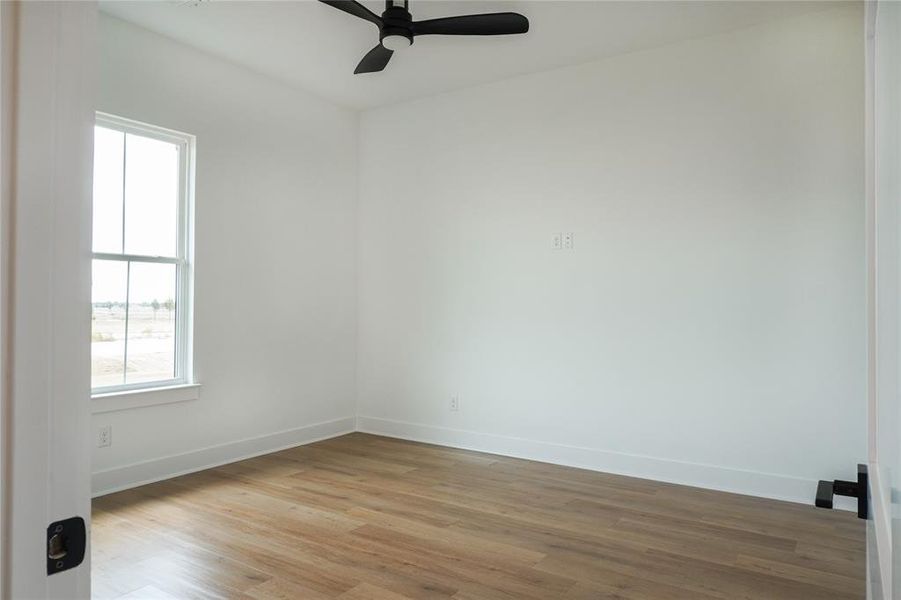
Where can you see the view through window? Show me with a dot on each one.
(140, 283)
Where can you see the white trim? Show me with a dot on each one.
(752, 483)
(8, 13)
(882, 529)
(136, 258)
(139, 398)
(880, 551)
(125, 125)
(150, 471)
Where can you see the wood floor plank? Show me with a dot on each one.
(366, 591)
(279, 588)
(149, 592)
(363, 517)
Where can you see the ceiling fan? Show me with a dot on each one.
(397, 29)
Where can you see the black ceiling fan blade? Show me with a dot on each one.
(375, 60)
(356, 9)
(487, 24)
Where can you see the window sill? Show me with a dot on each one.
(104, 403)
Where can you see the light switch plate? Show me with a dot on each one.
(557, 242)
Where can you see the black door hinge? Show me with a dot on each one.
(855, 489)
(66, 542)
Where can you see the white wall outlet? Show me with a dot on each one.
(105, 436)
(557, 241)
(568, 240)
(455, 403)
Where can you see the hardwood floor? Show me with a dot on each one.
(362, 517)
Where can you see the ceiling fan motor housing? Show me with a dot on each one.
(397, 21)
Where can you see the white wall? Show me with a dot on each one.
(708, 327)
(275, 287)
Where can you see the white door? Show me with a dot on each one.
(883, 59)
(48, 83)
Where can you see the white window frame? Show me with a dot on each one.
(184, 265)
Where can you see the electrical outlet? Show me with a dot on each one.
(105, 436)
(557, 241)
(568, 240)
(455, 403)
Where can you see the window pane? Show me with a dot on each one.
(151, 323)
(108, 157)
(151, 196)
(108, 284)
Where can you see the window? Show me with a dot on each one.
(142, 271)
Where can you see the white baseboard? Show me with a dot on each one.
(751, 483)
(158, 469)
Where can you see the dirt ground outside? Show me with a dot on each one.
(151, 344)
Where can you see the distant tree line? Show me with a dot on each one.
(155, 305)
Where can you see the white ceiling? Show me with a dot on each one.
(316, 47)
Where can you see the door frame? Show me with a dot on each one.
(879, 566)
(49, 82)
(882, 28)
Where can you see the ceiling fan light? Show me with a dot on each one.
(396, 42)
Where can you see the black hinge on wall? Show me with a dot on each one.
(855, 489)
(66, 542)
